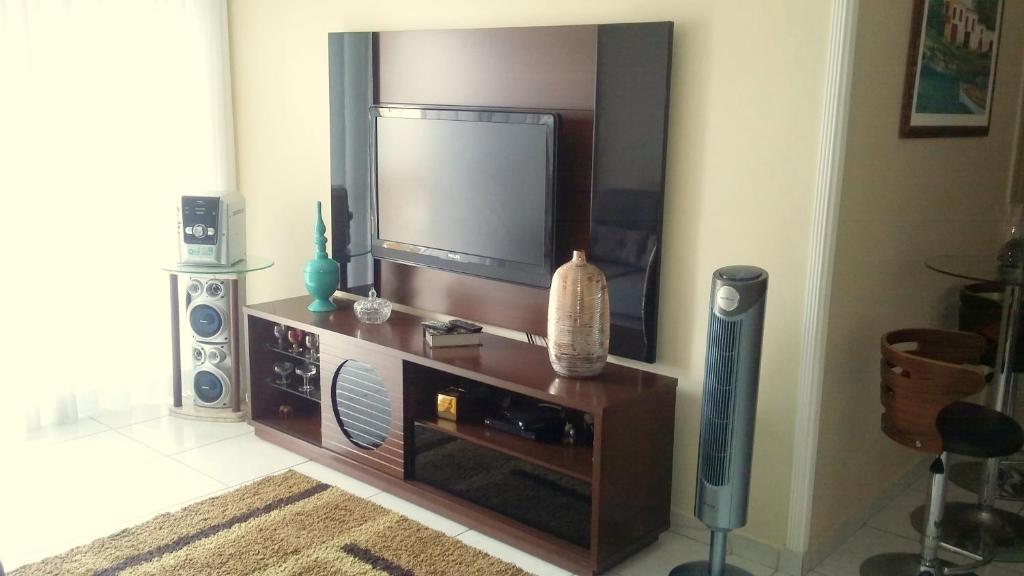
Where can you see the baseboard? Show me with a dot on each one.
(793, 562)
(738, 543)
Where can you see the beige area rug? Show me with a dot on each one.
(282, 525)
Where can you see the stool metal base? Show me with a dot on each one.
(967, 475)
(897, 564)
(703, 568)
(990, 532)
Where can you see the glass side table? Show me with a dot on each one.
(232, 275)
(968, 526)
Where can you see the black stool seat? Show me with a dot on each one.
(973, 430)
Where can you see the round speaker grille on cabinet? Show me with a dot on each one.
(208, 387)
(206, 321)
(215, 289)
(215, 355)
(362, 404)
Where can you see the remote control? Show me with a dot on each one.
(438, 326)
(467, 326)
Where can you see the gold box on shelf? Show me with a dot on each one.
(448, 404)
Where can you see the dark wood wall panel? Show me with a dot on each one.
(609, 85)
(500, 303)
(552, 67)
(547, 68)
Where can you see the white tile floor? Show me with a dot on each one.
(890, 531)
(71, 484)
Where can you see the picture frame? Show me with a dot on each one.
(951, 68)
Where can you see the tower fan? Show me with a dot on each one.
(735, 326)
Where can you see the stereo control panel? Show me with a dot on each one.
(211, 229)
(200, 219)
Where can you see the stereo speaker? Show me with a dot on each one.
(211, 374)
(209, 319)
(209, 316)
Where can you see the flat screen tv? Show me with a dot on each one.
(465, 190)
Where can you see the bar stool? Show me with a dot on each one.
(981, 312)
(923, 378)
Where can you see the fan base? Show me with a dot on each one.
(704, 569)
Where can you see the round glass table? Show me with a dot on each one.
(231, 275)
(969, 526)
(250, 264)
(983, 268)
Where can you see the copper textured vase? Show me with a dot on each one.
(578, 319)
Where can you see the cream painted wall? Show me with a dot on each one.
(902, 201)
(748, 89)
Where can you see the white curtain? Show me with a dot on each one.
(109, 111)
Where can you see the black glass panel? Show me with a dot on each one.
(535, 496)
(633, 71)
(350, 60)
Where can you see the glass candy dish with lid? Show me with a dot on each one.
(372, 310)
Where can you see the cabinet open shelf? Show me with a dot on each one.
(304, 427)
(574, 461)
(293, 355)
(293, 388)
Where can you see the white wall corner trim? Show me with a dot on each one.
(828, 188)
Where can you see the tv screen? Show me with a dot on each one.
(469, 191)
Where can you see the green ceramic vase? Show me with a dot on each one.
(321, 274)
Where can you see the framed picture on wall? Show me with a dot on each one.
(951, 68)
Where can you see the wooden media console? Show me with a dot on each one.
(372, 415)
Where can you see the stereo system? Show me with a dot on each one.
(211, 230)
(209, 317)
(211, 238)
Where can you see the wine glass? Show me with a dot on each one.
(283, 369)
(295, 336)
(312, 345)
(281, 332)
(306, 370)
